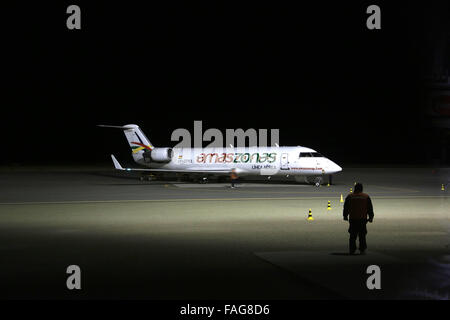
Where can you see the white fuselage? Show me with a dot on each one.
(250, 161)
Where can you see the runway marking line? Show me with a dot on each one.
(216, 189)
(398, 189)
(204, 199)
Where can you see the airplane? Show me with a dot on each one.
(299, 162)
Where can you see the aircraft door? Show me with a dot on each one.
(284, 164)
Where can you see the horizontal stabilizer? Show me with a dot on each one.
(128, 126)
(116, 163)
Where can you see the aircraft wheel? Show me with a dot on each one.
(318, 181)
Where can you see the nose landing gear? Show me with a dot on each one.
(318, 181)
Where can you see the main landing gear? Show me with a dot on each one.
(147, 177)
(200, 179)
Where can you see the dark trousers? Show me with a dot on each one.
(357, 229)
(233, 182)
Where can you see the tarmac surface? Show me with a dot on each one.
(137, 239)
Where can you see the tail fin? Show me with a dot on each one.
(137, 140)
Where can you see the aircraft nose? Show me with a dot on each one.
(334, 168)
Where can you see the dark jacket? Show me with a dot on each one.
(358, 206)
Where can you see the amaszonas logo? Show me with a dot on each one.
(236, 157)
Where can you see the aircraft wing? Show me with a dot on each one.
(206, 170)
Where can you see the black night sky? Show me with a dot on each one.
(312, 70)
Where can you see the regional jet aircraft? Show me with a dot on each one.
(299, 162)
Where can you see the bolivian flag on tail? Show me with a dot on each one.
(139, 146)
(137, 139)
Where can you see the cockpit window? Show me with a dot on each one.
(305, 154)
(310, 154)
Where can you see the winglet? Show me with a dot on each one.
(116, 163)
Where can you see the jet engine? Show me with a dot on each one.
(158, 155)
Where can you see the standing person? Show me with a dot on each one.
(233, 177)
(358, 207)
